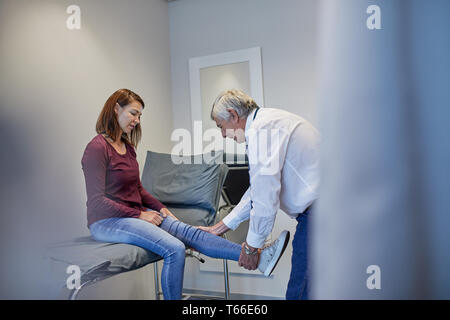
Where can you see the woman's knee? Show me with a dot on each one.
(176, 249)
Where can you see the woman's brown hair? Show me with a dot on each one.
(107, 120)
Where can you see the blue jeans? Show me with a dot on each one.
(169, 240)
(298, 281)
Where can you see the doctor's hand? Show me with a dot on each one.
(218, 229)
(249, 257)
(152, 217)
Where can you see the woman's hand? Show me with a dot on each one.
(152, 217)
(165, 212)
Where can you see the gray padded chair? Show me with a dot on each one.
(190, 187)
(97, 261)
(191, 190)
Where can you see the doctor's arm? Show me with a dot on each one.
(239, 214)
(265, 181)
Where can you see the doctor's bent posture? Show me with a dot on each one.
(283, 154)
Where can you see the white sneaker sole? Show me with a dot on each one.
(284, 238)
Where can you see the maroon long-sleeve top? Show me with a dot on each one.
(113, 186)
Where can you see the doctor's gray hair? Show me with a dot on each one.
(232, 99)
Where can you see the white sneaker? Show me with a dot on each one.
(272, 253)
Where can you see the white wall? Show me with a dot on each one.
(286, 31)
(53, 84)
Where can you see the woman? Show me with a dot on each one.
(120, 210)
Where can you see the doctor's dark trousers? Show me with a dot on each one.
(298, 281)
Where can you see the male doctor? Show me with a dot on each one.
(283, 154)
